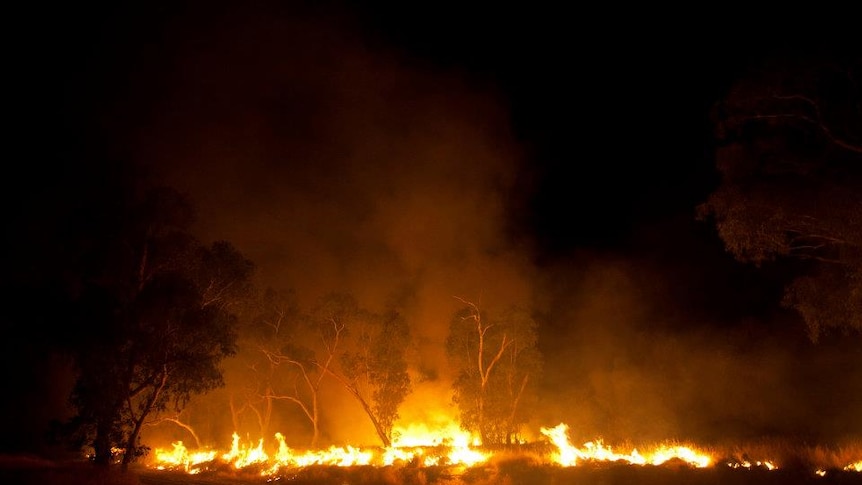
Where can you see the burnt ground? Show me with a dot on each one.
(513, 472)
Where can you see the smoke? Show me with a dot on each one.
(335, 167)
(640, 365)
(338, 167)
(338, 164)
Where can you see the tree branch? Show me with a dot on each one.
(503, 346)
(180, 424)
(295, 400)
(821, 123)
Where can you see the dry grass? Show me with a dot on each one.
(527, 465)
(789, 455)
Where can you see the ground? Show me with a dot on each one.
(32, 471)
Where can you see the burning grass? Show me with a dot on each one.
(523, 464)
(452, 458)
(793, 455)
(457, 460)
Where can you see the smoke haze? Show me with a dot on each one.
(337, 162)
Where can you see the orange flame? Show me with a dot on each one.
(427, 446)
(568, 455)
(180, 457)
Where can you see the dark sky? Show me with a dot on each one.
(529, 154)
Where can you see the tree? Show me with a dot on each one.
(790, 157)
(495, 360)
(264, 332)
(365, 353)
(374, 369)
(337, 339)
(284, 365)
(160, 308)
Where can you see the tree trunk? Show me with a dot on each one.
(381, 433)
(129, 453)
(267, 415)
(234, 414)
(315, 420)
(480, 405)
(102, 443)
(510, 422)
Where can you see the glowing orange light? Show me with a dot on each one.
(568, 455)
(423, 445)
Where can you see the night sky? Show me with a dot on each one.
(553, 158)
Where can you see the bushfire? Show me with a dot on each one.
(448, 446)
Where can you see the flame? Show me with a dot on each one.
(442, 431)
(242, 456)
(462, 454)
(180, 457)
(334, 456)
(449, 449)
(424, 445)
(568, 455)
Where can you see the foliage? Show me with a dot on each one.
(280, 362)
(294, 353)
(496, 359)
(790, 157)
(375, 368)
(159, 314)
(365, 352)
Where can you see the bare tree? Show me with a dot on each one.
(287, 356)
(297, 353)
(494, 360)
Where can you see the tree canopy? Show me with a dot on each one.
(496, 361)
(374, 368)
(790, 158)
(158, 310)
(293, 353)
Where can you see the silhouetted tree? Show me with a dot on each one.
(495, 360)
(158, 309)
(790, 157)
